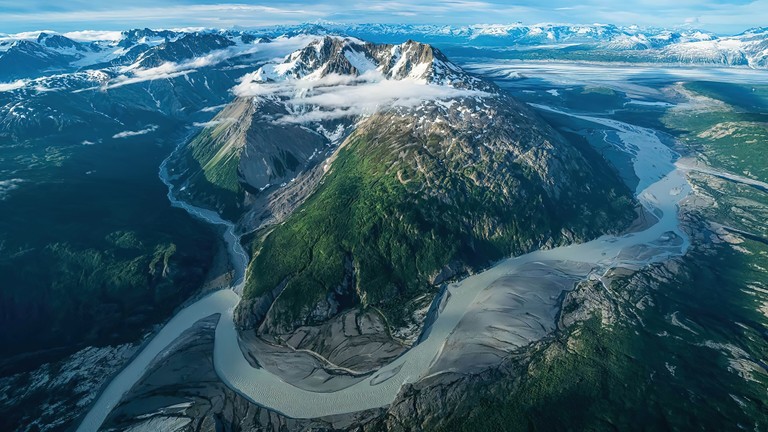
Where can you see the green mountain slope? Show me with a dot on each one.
(401, 210)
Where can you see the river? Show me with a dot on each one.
(662, 186)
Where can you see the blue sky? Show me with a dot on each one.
(729, 16)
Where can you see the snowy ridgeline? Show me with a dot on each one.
(122, 58)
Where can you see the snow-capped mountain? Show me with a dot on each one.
(311, 99)
(599, 42)
(173, 72)
(149, 66)
(749, 48)
(24, 58)
(527, 35)
(411, 61)
(36, 54)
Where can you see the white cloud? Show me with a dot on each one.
(166, 71)
(94, 35)
(336, 96)
(260, 52)
(213, 108)
(213, 123)
(27, 35)
(6, 186)
(207, 124)
(127, 134)
(716, 15)
(12, 85)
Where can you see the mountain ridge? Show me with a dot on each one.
(602, 42)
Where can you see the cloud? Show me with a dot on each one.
(165, 71)
(213, 108)
(4, 87)
(28, 35)
(127, 134)
(337, 96)
(213, 123)
(260, 51)
(94, 35)
(6, 186)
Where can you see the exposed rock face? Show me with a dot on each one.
(351, 57)
(244, 154)
(251, 312)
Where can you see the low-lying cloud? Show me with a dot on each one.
(6, 186)
(169, 70)
(337, 96)
(4, 87)
(128, 134)
(94, 35)
(213, 123)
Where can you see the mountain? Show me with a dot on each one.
(24, 58)
(248, 126)
(525, 35)
(595, 42)
(49, 54)
(185, 47)
(35, 55)
(747, 49)
(57, 41)
(420, 173)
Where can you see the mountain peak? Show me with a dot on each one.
(134, 36)
(346, 56)
(58, 41)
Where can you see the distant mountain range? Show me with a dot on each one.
(35, 54)
(211, 62)
(589, 42)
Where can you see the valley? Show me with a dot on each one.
(524, 237)
(265, 389)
